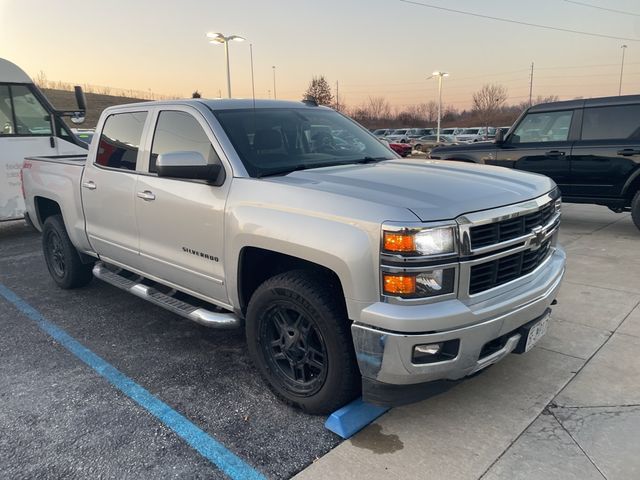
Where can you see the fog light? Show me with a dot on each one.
(435, 352)
(429, 349)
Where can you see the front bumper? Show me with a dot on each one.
(385, 356)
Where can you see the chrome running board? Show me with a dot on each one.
(208, 318)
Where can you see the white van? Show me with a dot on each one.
(26, 120)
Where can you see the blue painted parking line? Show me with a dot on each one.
(214, 451)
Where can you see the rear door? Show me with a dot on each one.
(181, 222)
(109, 186)
(541, 143)
(608, 151)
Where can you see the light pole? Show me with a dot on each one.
(274, 82)
(624, 47)
(218, 39)
(440, 75)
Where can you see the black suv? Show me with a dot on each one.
(591, 148)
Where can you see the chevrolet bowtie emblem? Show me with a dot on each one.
(539, 236)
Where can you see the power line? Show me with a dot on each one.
(604, 8)
(518, 22)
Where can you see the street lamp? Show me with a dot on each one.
(624, 47)
(274, 82)
(439, 75)
(219, 38)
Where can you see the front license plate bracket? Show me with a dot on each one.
(532, 332)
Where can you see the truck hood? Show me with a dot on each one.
(433, 190)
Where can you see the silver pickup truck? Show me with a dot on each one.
(350, 269)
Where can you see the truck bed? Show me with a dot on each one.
(54, 182)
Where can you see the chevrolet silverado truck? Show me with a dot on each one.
(590, 148)
(350, 269)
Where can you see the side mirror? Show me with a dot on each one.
(499, 136)
(190, 165)
(77, 116)
(81, 100)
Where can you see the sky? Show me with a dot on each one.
(370, 47)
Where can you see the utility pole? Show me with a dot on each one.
(624, 47)
(253, 83)
(274, 82)
(531, 86)
(337, 97)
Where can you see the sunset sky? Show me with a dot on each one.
(377, 47)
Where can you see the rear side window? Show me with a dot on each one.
(543, 127)
(611, 123)
(180, 132)
(120, 140)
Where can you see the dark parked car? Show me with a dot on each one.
(591, 148)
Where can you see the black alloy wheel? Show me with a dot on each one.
(299, 338)
(55, 253)
(294, 348)
(63, 260)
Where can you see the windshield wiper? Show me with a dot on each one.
(309, 166)
(282, 171)
(369, 160)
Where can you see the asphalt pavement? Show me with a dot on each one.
(60, 419)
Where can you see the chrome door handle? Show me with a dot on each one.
(147, 195)
(90, 185)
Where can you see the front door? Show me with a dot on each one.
(25, 131)
(108, 189)
(181, 221)
(540, 144)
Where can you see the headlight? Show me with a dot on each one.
(428, 241)
(421, 285)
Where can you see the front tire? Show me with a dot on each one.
(635, 209)
(299, 338)
(62, 258)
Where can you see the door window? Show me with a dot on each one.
(21, 113)
(611, 123)
(6, 112)
(120, 140)
(180, 132)
(543, 127)
(30, 115)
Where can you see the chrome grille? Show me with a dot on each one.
(505, 269)
(492, 233)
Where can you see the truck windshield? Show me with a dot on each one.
(273, 141)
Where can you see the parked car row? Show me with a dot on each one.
(451, 134)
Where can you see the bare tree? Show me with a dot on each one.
(320, 90)
(488, 101)
(377, 107)
(41, 79)
(548, 99)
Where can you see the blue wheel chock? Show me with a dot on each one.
(353, 417)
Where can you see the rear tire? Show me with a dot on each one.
(635, 209)
(299, 338)
(62, 258)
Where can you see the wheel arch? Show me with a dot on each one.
(256, 265)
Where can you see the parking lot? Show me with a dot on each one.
(568, 409)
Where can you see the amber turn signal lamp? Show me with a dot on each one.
(399, 284)
(398, 242)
